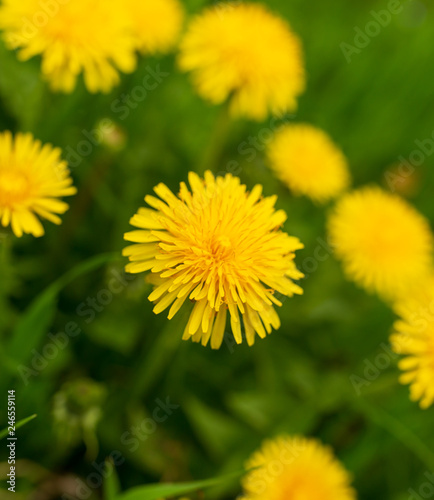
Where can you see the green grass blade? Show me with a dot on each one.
(34, 323)
(158, 491)
(19, 424)
(112, 486)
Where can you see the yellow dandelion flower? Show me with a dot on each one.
(414, 338)
(220, 246)
(156, 24)
(244, 52)
(296, 468)
(32, 178)
(79, 36)
(306, 160)
(384, 243)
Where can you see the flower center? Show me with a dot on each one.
(220, 248)
(14, 187)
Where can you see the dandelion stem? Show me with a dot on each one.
(397, 429)
(213, 153)
(95, 177)
(7, 282)
(92, 446)
(5, 245)
(154, 361)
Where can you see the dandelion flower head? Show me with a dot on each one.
(384, 243)
(92, 37)
(32, 179)
(244, 52)
(296, 468)
(414, 340)
(221, 247)
(307, 161)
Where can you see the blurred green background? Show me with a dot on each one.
(125, 360)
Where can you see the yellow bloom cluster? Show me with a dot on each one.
(216, 244)
(97, 38)
(386, 246)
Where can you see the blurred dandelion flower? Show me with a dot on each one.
(92, 37)
(245, 53)
(384, 243)
(220, 246)
(296, 467)
(32, 177)
(306, 160)
(156, 24)
(414, 338)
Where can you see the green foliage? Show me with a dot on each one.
(39, 315)
(298, 380)
(157, 491)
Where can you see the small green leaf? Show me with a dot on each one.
(158, 491)
(19, 424)
(35, 322)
